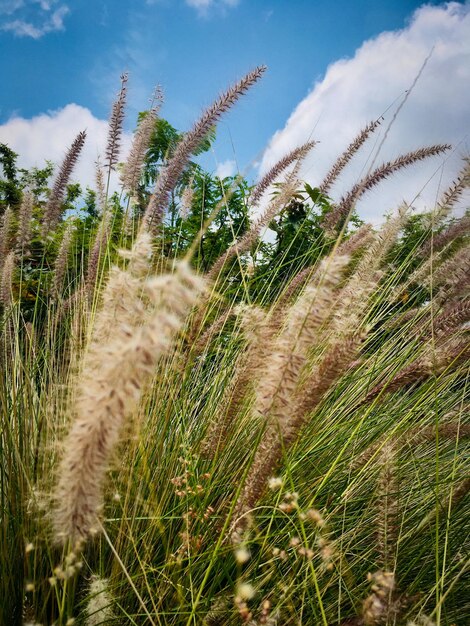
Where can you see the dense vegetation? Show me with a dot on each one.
(204, 425)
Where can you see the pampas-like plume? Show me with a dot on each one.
(414, 436)
(454, 315)
(379, 608)
(99, 606)
(99, 245)
(7, 279)
(451, 196)
(340, 212)
(187, 198)
(170, 175)
(25, 215)
(116, 121)
(421, 274)
(276, 398)
(132, 170)
(453, 271)
(116, 369)
(347, 155)
(358, 240)
(213, 330)
(256, 332)
(377, 249)
(52, 211)
(447, 431)
(298, 154)
(457, 230)
(100, 188)
(5, 234)
(60, 265)
(289, 354)
(450, 354)
(286, 406)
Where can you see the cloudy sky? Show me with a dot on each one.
(333, 67)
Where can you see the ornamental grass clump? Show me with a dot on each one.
(117, 367)
(281, 439)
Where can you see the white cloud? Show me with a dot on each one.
(32, 18)
(49, 135)
(226, 168)
(358, 90)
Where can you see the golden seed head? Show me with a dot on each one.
(245, 591)
(242, 555)
(275, 483)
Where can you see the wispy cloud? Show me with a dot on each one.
(7, 7)
(355, 91)
(203, 6)
(32, 18)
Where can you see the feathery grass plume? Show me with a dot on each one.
(458, 494)
(421, 275)
(387, 505)
(453, 316)
(452, 194)
(421, 620)
(132, 170)
(6, 283)
(378, 247)
(305, 318)
(358, 240)
(381, 607)
(255, 331)
(170, 175)
(5, 234)
(114, 376)
(213, 330)
(116, 122)
(121, 298)
(60, 265)
(298, 154)
(452, 353)
(99, 606)
(450, 431)
(460, 228)
(52, 211)
(347, 155)
(453, 271)
(100, 187)
(287, 419)
(354, 297)
(25, 216)
(249, 238)
(341, 211)
(99, 246)
(279, 437)
(187, 198)
(276, 398)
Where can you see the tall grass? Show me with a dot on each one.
(174, 453)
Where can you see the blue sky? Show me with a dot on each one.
(193, 53)
(55, 52)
